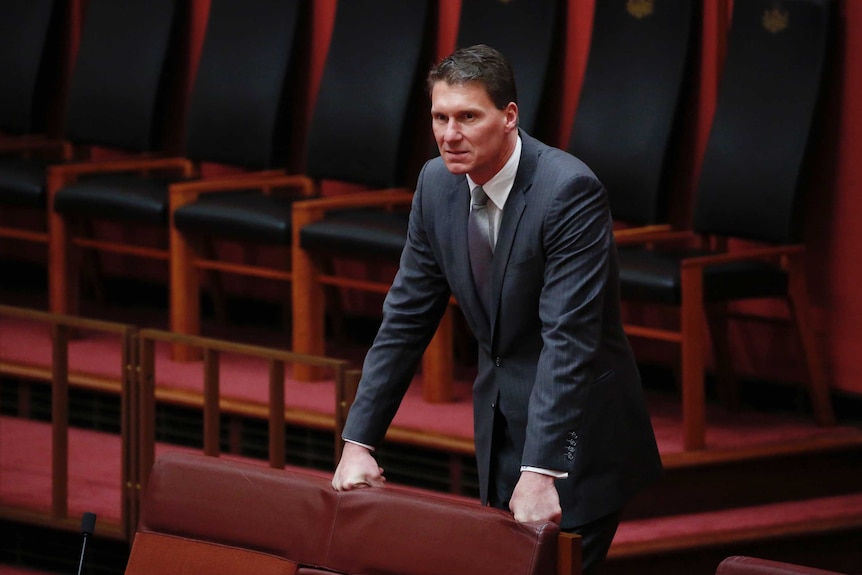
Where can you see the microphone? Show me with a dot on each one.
(88, 526)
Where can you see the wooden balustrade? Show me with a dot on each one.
(137, 390)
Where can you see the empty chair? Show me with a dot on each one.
(33, 39)
(628, 107)
(526, 32)
(240, 91)
(749, 189)
(32, 42)
(210, 515)
(361, 132)
(99, 108)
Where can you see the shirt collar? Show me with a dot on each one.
(499, 186)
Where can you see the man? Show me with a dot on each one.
(561, 427)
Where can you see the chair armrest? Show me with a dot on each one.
(751, 254)
(628, 236)
(185, 192)
(61, 175)
(35, 143)
(307, 211)
(652, 235)
(569, 554)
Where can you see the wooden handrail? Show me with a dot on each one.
(138, 400)
(62, 329)
(277, 358)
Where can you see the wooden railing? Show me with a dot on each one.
(63, 328)
(212, 348)
(138, 397)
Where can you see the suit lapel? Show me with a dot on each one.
(515, 205)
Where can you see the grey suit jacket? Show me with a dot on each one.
(553, 358)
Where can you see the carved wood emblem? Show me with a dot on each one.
(640, 8)
(775, 19)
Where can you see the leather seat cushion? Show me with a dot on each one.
(654, 276)
(22, 182)
(125, 197)
(361, 234)
(243, 216)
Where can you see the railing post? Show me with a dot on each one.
(346, 384)
(276, 414)
(130, 504)
(212, 427)
(146, 410)
(59, 421)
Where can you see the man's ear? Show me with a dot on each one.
(512, 115)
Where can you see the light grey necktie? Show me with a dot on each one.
(479, 245)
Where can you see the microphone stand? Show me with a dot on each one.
(88, 526)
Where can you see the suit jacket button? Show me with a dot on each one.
(498, 361)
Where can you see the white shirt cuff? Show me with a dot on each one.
(368, 447)
(552, 473)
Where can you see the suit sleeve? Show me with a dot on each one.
(577, 237)
(411, 313)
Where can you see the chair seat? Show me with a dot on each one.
(358, 233)
(22, 182)
(124, 197)
(242, 216)
(654, 276)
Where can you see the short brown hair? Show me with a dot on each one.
(480, 64)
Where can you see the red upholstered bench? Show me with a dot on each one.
(741, 565)
(205, 515)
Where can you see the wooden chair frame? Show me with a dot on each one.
(309, 277)
(696, 316)
(185, 261)
(28, 146)
(62, 268)
(62, 272)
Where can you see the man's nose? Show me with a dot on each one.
(451, 132)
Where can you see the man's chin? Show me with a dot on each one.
(456, 168)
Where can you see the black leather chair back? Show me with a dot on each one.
(240, 95)
(32, 39)
(363, 117)
(525, 31)
(629, 101)
(766, 104)
(115, 97)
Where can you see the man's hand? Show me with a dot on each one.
(536, 499)
(357, 468)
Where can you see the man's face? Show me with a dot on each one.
(474, 137)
